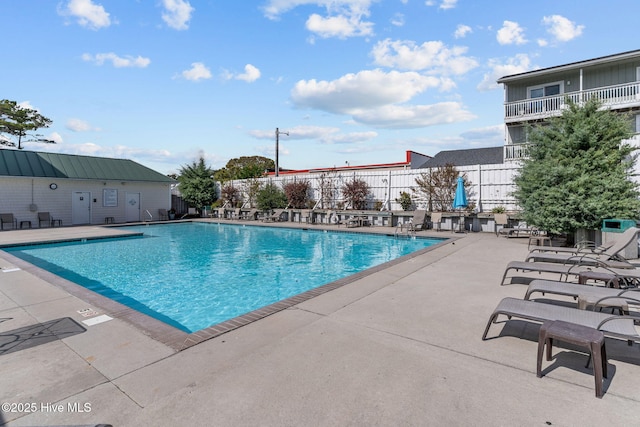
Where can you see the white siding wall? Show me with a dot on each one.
(18, 194)
(491, 184)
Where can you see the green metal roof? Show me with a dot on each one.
(54, 165)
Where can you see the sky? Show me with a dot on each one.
(346, 82)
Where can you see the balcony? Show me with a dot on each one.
(514, 152)
(614, 97)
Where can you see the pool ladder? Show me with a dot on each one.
(401, 232)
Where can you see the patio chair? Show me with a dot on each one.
(436, 220)
(276, 216)
(416, 223)
(47, 219)
(613, 326)
(609, 257)
(306, 216)
(251, 215)
(163, 214)
(8, 218)
(503, 221)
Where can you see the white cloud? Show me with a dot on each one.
(444, 4)
(448, 4)
(490, 136)
(462, 31)
(87, 13)
(561, 28)
(117, 61)
(518, 64)
(55, 137)
(398, 20)
(414, 116)
(344, 18)
(511, 33)
(366, 89)
(433, 56)
(198, 71)
(340, 26)
(251, 74)
(177, 13)
(77, 125)
(325, 135)
(375, 98)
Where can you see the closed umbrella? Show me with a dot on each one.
(460, 201)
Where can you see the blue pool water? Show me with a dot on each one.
(194, 275)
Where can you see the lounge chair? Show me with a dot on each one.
(436, 220)
(251, 215)
(575, 290)
(566, 270)
(276, 216)
(614, 326)
(47, 219)
(579, 248)
(8, 218)
(306, 215)
(503, 221)
(416, 223)
(609, 257)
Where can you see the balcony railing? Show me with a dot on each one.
(515, 152)
(615, 97)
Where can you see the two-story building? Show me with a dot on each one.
(536, 95)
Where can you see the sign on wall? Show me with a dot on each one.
(109, 197)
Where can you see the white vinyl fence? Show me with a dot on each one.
(491, 186)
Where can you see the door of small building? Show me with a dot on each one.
(132, 207)
(81, 208)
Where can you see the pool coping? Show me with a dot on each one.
(180, 340)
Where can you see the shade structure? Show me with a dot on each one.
(460, 200)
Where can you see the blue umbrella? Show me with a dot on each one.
(460, 200)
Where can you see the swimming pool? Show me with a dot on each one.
(194, 275)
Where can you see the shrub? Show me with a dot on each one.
(355, 193)
(271, 197)
(297, 193)
(405, 200)
(230, 195)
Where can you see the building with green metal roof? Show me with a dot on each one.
(79, 189)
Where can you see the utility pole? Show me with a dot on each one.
(278, 149)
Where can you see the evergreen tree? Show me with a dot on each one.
(197, 186)
(578, 171)
(18, 121)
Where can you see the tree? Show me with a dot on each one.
(18, 121)
(438, 187)
(245, 167)
(297, 193)
(578, 171)
(271, 197)
(355, 193)
(197, 186)
(230, 195)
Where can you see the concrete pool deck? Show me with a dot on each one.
(401, 346)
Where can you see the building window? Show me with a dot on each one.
(550, 89)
